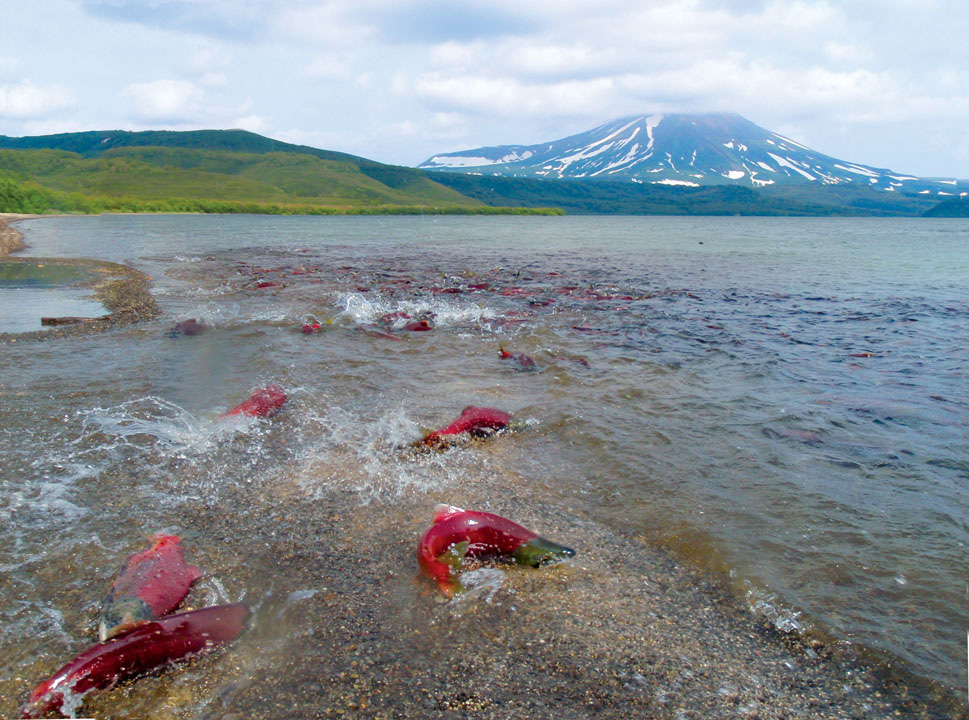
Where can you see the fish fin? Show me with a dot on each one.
(195, 572)
(163, 538)
(502, 353)
(329, 321)
(444, 511)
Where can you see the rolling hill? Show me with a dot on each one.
(215, 171)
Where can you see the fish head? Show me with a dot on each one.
(539, 551)
(122, 614)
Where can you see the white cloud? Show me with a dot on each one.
(26, 100)
(323, 24)
(252, 123)
(214, 80)
(505, 95)
(327, 67)
(163, 100)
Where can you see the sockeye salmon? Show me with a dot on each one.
(144, 648)
(525, 362)
(476, 421)
(150, 585)
(457, 534)
(263, 402)
(188, 327)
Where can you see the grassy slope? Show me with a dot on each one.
(146, 173)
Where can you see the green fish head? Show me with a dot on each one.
(540, 551)
(122, 614)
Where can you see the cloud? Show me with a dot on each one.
(164, 101)
(227, 19)
(26, 100)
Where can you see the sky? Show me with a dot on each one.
(878, 82)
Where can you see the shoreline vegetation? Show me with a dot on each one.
(26, 201)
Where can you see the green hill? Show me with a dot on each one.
(210, 171)
(630, 198)
(951, 208)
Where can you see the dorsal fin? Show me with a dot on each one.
(443, 512)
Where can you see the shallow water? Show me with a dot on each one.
(781, 401)
(30, 291)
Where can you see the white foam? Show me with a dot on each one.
(364, 310)
(163, 421)
(480, 584)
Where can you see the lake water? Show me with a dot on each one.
(782, 401)
(31, 291)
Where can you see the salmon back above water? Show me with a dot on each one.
(140, 650)
(472, 420)
(263, 402)
(457, 534)
(150, 585)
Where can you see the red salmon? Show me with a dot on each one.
(456, 534)
(150, 585)
(476, 421)
(144, 648)
(418, 326)
(525, 362)
(263, 402)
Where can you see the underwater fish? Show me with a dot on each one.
(150, 585)
(476, 421)
(189, 327)
(263, 402)
(144, 648)
(457, 534)
(525, 362)
(418, 326)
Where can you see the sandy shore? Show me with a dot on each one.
(11, 240)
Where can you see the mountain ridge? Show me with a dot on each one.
(690, 150)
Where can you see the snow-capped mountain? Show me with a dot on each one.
(681, 149)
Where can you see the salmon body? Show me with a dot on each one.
(188, 327)
(263, 402)
(456, 534)
(151, 584)
(144, 648)
(476, 421)
(523, 360)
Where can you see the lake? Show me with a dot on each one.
(780, 405)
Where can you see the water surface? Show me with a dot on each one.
(783, 401)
